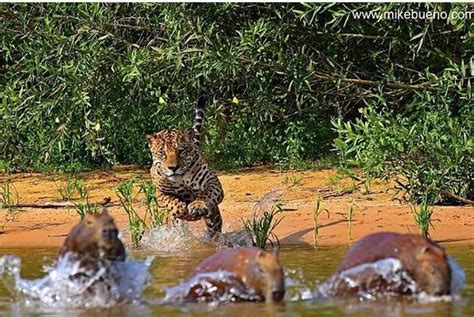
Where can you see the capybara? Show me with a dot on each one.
(251, 271)
(94, 240)
(421, 259)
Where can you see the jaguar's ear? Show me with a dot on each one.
(189, 135)
(150, 138)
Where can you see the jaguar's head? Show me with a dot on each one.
(173, 151)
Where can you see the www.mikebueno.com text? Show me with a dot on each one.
(413, 15)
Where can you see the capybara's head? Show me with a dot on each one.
(272, 276)
(432, 273)
(96, 235)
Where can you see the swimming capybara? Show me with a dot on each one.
(94, 240)
(252, 271)
(421, 259)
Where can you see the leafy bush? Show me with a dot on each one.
(82, 83)
(430, 150)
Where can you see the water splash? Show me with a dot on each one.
(297, 287)
(214, 287)
(388, 271)
(392, 274)
(174, 237)
(233, 239)
(178, 237)
(458, 277)
(267, 200)
(67, 284)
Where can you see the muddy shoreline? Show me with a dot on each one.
(376, 208)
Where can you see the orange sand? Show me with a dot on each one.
(373, 211)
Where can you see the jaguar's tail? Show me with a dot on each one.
(198, 119)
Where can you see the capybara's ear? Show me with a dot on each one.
(276, 251)
(428, 249)
(88, 219)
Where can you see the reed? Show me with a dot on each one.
(317, 211)
(136, 225)
(8, 195)
(66, 189)
(423, 217)
(158, 215)
(83, 206)
(263, 220)
(350, 215)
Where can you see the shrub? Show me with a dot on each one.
(82, 83)
(430, 150)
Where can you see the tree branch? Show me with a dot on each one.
(57, 205)
(459, 198)
(371, 83)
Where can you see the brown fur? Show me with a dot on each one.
(94, 239)
(420, 257)
(252, 268)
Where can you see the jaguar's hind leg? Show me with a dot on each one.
(213, 222)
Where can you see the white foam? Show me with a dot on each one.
(389, 270)
(178, 237)
(219, 286)
(170, 238)
(67, 284)
(296, 286)
(393, 273)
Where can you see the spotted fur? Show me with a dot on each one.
(185, 184)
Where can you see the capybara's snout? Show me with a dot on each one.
(276, 285)
(277, 295)
(278, 291)
(437, 281)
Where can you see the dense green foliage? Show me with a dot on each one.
(424, 138)
(430, 150)
(83, 83)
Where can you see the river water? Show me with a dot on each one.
(305, 268)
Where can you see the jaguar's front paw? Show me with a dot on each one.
(179, 210)
(198, 209)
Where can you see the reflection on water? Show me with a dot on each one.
(306, 268)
